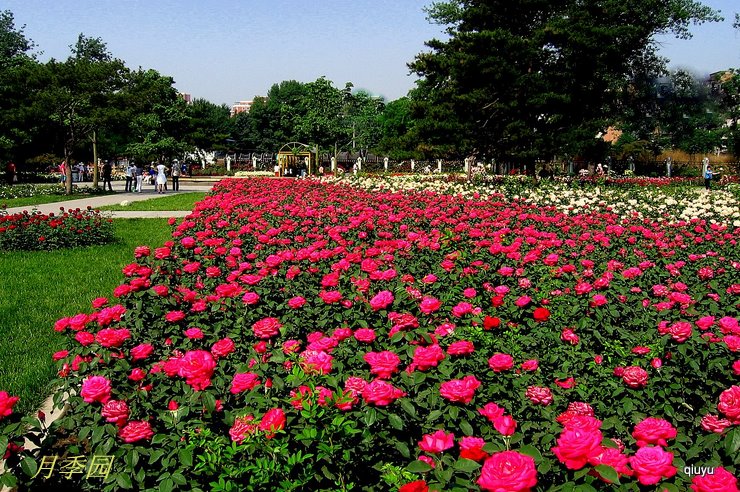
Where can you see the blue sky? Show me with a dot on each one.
(227, 50)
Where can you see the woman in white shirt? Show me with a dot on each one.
(161, 178)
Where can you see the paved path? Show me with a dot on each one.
(148, 193)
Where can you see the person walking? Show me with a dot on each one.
(161, 178)
(107, 171)
(176, 177)
(138, 172)
(129, 178)
(10, 171)
(708, 174)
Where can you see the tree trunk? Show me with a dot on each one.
(67, 171)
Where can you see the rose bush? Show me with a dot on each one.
(68, 229)
(300, 335)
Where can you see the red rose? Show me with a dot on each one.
(508, 471)
(541, 314)
(111, 337)
(272, 421)
(415, 486)
(460, 390)
(142, 351)
(6, 404)
(136, 431)
(652, 464)
(720, 480)
(471, 448)
(489, 322)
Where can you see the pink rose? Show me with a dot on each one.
(491, 411)
(296, 302)
(530, 365)
(266, 327)
(501, 362)
(222, 348)
(244, 381)
(635, 377)
(116, 412)
(136, 431)
(713, 423)
(653, 431)
(427, 357)
(720, 480)
(383, 364)
(381, 393)
(96, 388)
(539, 395)
(316, 362)
(111, 338)
(460, 390)
(382, 300)
(174, 316)
(576, 446)
(429, 305)
(366, 335)
(250, 298)
(197, 367)
(142, 351)
(437, 442)
(729, 403)
(505, 424)
(508, 471)
(471, 448)
(461, 347)
(243, 427)
(652, 464)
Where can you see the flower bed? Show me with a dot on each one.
(32, 231)
(30, 190)
(298, 335)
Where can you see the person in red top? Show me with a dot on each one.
(10, 173)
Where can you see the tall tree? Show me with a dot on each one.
(533, 78)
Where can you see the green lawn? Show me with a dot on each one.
(37, 288)
(180, 201)
(39, 200)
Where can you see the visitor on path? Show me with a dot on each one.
(708, 177)
(62, 172)
(130, 169)
(161, 178)
(10, 173)
(139, 173)
(175, 177)
(107, 171)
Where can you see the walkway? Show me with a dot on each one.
(148, 193)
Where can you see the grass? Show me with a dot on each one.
(40, 287)
(40, 199)
(181, 201)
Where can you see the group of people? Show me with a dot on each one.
(136, 177)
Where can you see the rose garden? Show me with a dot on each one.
(409, 334)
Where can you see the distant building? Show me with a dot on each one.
(186, 97)
(241, 107)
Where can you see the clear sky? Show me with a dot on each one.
(228, 50)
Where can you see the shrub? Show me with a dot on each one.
(302, 335)
(71, 228)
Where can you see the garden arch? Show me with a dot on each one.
(293, 153)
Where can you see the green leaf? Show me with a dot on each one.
(186, 457)
(124, 481)
(609, 473)
(418, 467)
(466, 466)
(403, 449)
(29, 466)
(530, 450)
(395, 421)
(732, 442)
(408, 406)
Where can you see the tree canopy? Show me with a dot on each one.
(532, 79)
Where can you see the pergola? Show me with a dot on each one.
(293, 153)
